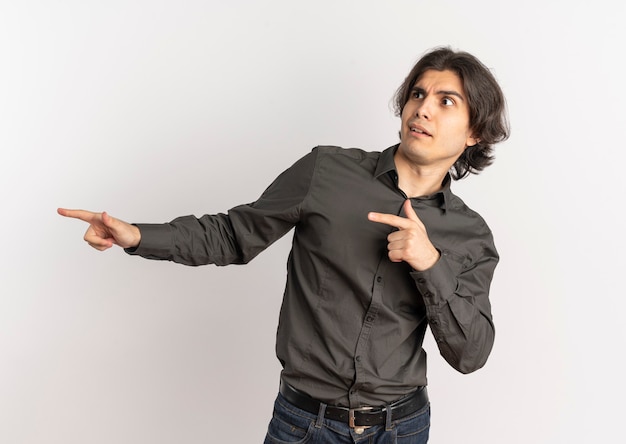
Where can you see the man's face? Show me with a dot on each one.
(435, 121)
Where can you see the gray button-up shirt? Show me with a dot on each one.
(352, 322)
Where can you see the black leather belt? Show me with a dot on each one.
(358, 417)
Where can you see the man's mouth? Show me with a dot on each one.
(419, 130)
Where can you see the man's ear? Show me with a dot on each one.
(471, 141)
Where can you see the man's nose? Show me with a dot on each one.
(424, 109)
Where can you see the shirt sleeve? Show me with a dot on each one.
(456, 295)
(238, 236)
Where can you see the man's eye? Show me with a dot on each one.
(418, 95)
(447, 101)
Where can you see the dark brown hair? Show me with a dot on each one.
(487, 106)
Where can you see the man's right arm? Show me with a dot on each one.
(237, 236)
(221, 239)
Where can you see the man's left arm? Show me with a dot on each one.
(456, 294)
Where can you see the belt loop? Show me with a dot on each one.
(320, 415)
(388, 424)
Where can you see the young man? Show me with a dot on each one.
(382, 249)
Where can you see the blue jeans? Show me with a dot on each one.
(292, 425)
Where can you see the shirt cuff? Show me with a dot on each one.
(438, 283)
(156, 241)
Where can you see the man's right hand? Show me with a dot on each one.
(105, 231)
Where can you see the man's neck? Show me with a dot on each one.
(416, 180)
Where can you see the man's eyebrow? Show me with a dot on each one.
(450, 93)
(443, 92)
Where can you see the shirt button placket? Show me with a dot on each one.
(370, 317)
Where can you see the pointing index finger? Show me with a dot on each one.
(83, 215)
(390, 219)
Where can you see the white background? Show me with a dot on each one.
(155, 109)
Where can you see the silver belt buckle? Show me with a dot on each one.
(357, 429)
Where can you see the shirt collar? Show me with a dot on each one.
(386, 165)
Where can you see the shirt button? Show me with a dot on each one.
(358, 359)
(428, 294)
(379, 279)
(369, 318)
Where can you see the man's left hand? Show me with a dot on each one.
(410, 243)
